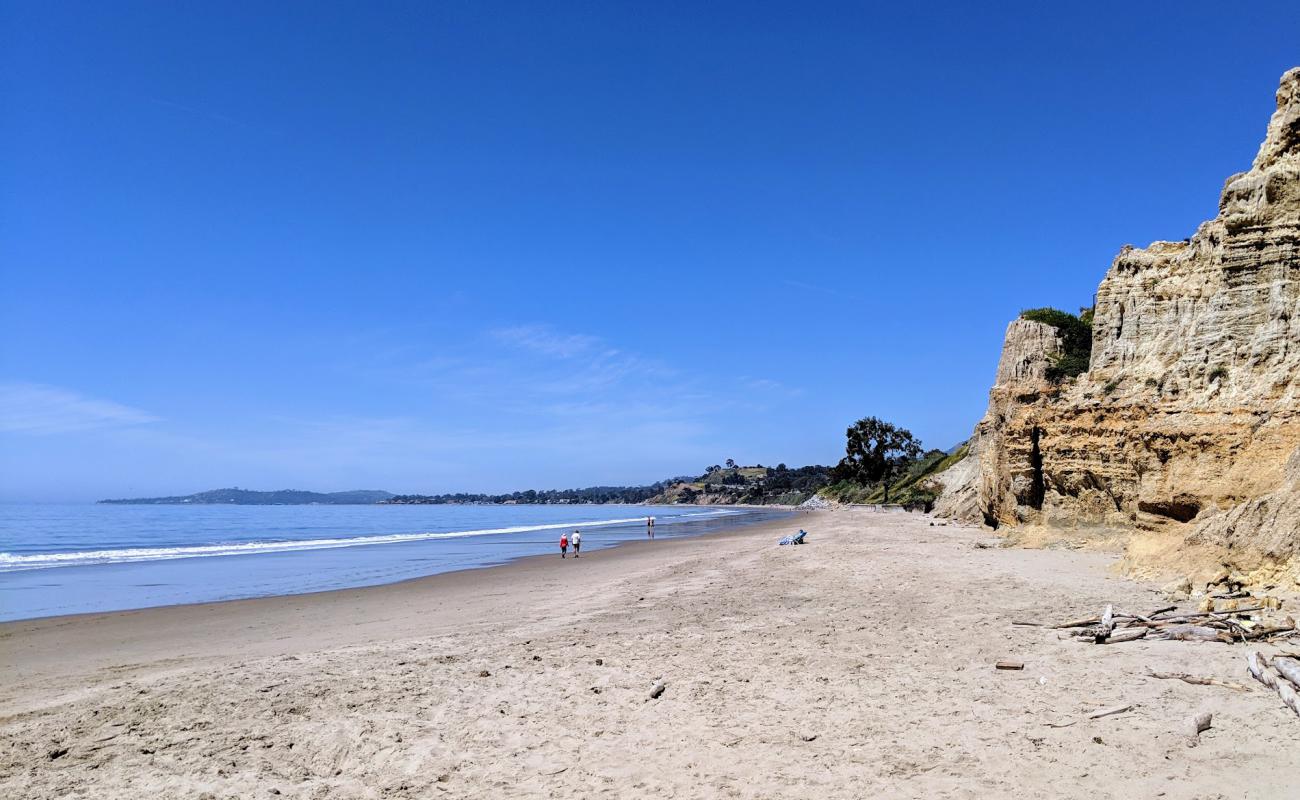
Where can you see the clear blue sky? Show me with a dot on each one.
(487, 246)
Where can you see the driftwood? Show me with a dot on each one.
(1123, 635)
(1148, 618)
(1197, 680)
(1115, 627)
(1258, 667)
(1107, 624)
(1193, 633)
(1201, 722)
(657, 689)
(1106, 712)
(1255, 666)
(1079, 623)
(1009, 665)
(1288, 669)
(1202, 616)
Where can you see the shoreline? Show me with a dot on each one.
(386, 551)
(35, 645)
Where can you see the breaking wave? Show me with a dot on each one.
(10, 562)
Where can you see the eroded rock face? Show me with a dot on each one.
(1258, 533)
(1191, 404)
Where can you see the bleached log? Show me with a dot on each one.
(1107, 624)
(1255, 666)
(1258, 667)
(1194, 633)
(1289, 669)
(1289, 697)
(1124, 635)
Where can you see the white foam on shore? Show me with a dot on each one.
(10, 562)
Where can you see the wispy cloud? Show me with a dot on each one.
(37, 409)
(546, 341)
(770, 386)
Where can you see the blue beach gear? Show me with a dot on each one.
(796, 539)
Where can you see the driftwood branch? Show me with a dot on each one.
(1123, 635)
(1106, 712)
(1079, 623)
(1197, 680)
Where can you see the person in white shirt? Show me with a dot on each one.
(576, 541)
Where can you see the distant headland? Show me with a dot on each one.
(719, 485)
(246, 497)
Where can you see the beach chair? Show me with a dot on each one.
(796, 538)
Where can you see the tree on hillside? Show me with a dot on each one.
(876, 452)
(731, 463)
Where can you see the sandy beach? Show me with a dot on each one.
(858, 665)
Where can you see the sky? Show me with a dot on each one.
(485, 246)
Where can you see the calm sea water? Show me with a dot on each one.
(71, 559)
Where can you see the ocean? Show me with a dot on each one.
(73, 559)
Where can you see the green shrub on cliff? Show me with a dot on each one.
(1076, 340)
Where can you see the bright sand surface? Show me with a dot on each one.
(858, 665)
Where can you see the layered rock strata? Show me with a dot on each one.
(1190, 407)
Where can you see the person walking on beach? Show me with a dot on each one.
(564, 545)
(650, 527)
(576, 539)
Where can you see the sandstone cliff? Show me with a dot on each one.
(1190, 407)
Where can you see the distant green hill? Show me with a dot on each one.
(244, 497)
(756, 485)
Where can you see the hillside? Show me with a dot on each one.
(756, 485)
(914, 488)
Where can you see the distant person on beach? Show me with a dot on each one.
(576, 539)
(650, 527)
(564, 545)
